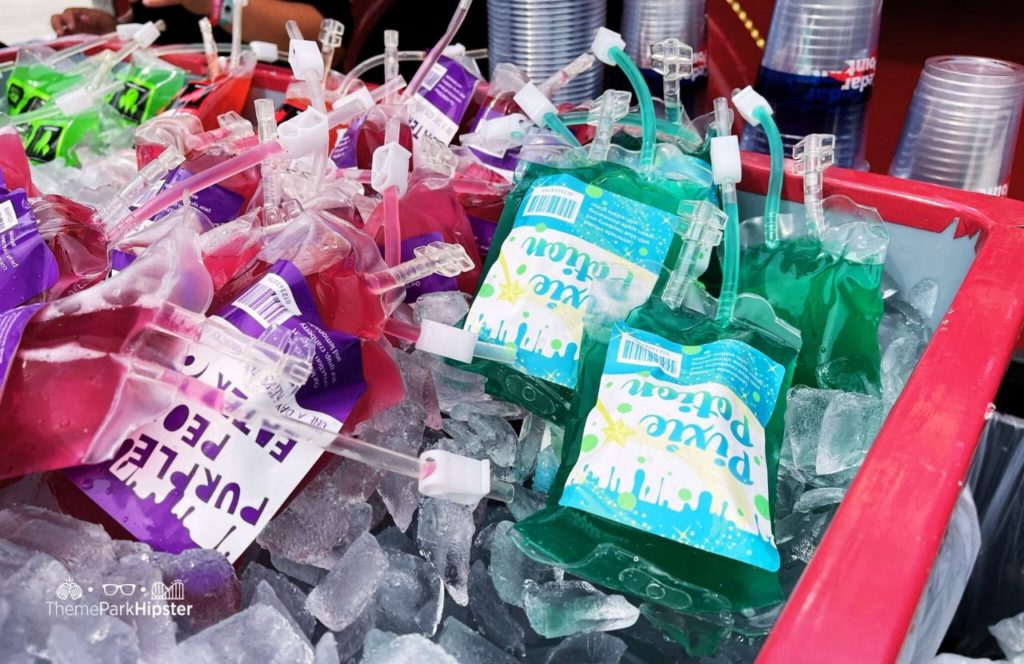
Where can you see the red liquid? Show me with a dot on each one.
(371, 136)
(77, 242)
(209, 100)
(53, 406)
(431, 206)
(14, 162)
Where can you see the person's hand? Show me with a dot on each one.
(200, 7)
(82, 20)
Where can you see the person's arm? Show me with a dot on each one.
(262, 20)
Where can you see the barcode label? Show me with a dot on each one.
(427, 118)
(634, 351)
(8, 217)
(556, 202)
(269, 301)
(434, 76)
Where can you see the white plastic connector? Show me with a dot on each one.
(390, 168)
(497, 135)
(453, 477)
(265, 51)
(604, 41)
(814, 153)
(126, 31)
(454, 51)
(446, 341)
(304, 134)
(306, 61)
(75, 101)
(747, 101)
(146, 34)
(534, 103)
(362, 95)
(725, 159)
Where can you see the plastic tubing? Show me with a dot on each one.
(236, 34)
(81, 48)
(775, 152)
(467, 187)
(648, 120)
(573, 118)
(369, 64)
(731, 261)
(428, 62)
(392, 229)
(209, 48)
(555, 124)
(560, 78)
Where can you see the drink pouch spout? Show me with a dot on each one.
(449, 260)
(811, 156)
(700, 229)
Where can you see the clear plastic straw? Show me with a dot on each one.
(453, 27)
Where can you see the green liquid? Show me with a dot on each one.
(631, 561)
(544, 398)
(835, 303)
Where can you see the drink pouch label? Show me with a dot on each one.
(12, 326)
(218, 203)
(565, 233)
(146, 92)
(483, 231)
(504, 163)
(675, 445)
(27, 266)
(442, 100)
(344, 153)
(433, 283)
(45, 140)
(195, 478)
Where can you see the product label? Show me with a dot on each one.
(442, 100)
(27, 266)
(194, 478)
(344, 153)
(432, 283)
(44, 141)
(675, 445)
(12, 326)
(483, 231)
(565, 234)
(504, 163)
(218, 203)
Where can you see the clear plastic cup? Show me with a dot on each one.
(961, 128)
(645, 22)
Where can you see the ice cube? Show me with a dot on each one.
(699, 633)
(13, 647)
(211, 588)
(923, 296)
(808, 531)
(290, 595)
(258, 634)
(402, 498)
(316, 527)
(326, 651)
(12, 557)
(408, 649)
(497, 436)
(1009, 633)
(93, 640)
(531, 435)
(491, 615)
(78, 545)
(805, 409)
(29, 592)
(394, 539)
(561, 608)
(463, 440)
(815, 498)
(156, 629)
(547, 466)
(848, 429)
(448, 307)
(454, 386)
(511, 568)
(444, 535)
(307, 574)
(419, 387)
(469, 647)
(350, 640)
(350, 586)
(589, 648)
(264, 594)
(508, 411)
(526, 502)
(398, 428)
(898, 362)
(31, 490)
(410, 597)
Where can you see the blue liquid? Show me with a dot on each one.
(805, 105)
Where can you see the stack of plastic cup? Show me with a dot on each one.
(817, 72)
(962, 126)
(645, 22)
(542, 36)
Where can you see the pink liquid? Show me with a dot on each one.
(371, 137)
(77, 242)
(46, 428)
(431, 206)
(13, 161)
(208, 100)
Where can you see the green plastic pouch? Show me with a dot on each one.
(560, 227)
(150, 85)
(827, 284)
(33, 82)
(666, 486)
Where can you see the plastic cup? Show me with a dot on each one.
(961, 128)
